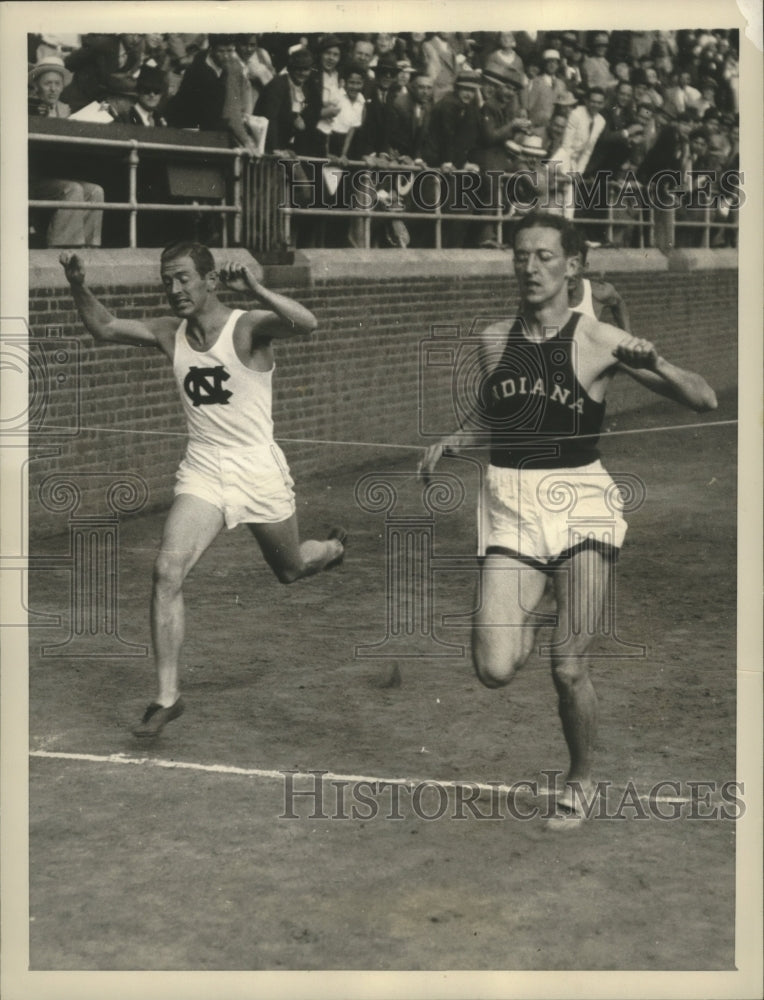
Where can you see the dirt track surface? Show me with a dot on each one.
(140, 867)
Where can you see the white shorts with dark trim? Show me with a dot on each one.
(543, 516)
(245, 484)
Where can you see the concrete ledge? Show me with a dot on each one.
(626, 261)
(117, 268)
(331, 265)
(724, 259)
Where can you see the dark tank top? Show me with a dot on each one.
(535, 406)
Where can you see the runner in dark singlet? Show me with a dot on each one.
(547, 505)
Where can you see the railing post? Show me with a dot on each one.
(236, 199)
(133, 196)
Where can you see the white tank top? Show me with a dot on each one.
(226, 404)
(586, 306)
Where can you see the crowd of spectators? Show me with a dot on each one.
(555, 103)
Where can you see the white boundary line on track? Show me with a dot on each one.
(256, 772)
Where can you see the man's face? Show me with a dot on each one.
(149, 99)
(624, 95)
(329, 59)
(600, 46)
(698, 146)
(186, 290)
(465, 94)
(652, 76)
(595, 103)
(507, 41)
(221, 55)
(684, 79)
(541, 267)
(622, 71)
(299, 74)
(551, 66)
(247, 49)
(421, 90)
(557, 129)
(362, 53)
(49, 86)
(354, 85)
(640, 93)
(385, 76)
(384, 43)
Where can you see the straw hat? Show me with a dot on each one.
(49, 64)
(530, 146)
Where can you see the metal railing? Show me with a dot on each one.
(134, 148)
(263, 214)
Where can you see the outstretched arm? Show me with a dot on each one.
(282, 317)
(103, 325)
(639, 359)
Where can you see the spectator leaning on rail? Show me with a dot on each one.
(73, 227)
(284, 103)
(450, 143)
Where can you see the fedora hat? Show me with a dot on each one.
(566, 100)
(509, 76)
(386, 61)
(550, 54)
(329, 42)
(49, 64)
(150, 78)
(468, 78)
(530, 146)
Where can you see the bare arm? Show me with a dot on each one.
(640, 360)
(281, 318)
(103, 325)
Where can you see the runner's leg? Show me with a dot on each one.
(191, 526)
(289, 558)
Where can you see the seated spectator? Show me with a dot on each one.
(707, 99)
(361, 54)
(409, 120)
(546, 90)
(46, 82)
(385, 43)
(571, 62)
(596, 67)
(559, 183)
(150, 88)
(114, 103)
(73, 227)
(531, 188)
(202, 92)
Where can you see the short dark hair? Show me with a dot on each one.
(215, 40)
(201, 255)
(569, 236)
(355, 69)
(595, 90)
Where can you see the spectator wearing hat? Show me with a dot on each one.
(284, 103)
(202, 92)
(501, 117)
(150, 89)
(442, 62)
(450, 144)
(374, 136)
(707, 99)
(596, 67)
(46, 81)
(546, 90)
(530, 189)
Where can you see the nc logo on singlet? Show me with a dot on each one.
(203, 385)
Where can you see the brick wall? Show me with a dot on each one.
(357, 379)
